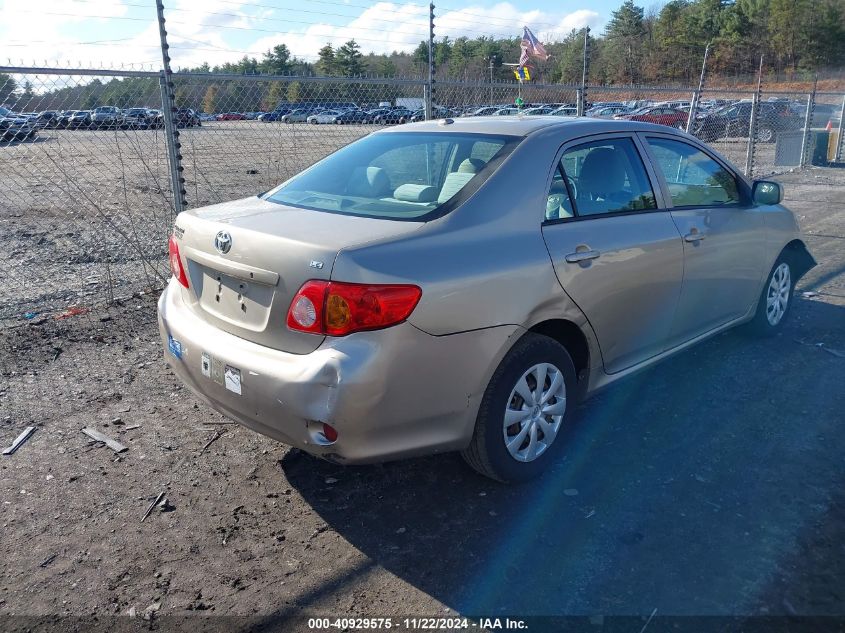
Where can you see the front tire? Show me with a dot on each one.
(527, 408)
(775, 300)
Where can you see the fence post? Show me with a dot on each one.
(693, 108)
(696, 94)
(841, 138)
(168, 107)
(581, 104)
(752, 123)
(429, 93)
(808, 121)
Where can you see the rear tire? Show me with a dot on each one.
(775, 300)
(504, 452)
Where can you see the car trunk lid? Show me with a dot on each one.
(246, 259)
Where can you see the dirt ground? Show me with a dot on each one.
(709, 485)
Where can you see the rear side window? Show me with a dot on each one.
(402, 176)
(694, 178)
(607, 176)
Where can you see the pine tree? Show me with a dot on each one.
(350, 60)
(7, 87)
(277, 61)
(326, 61)
(625, 35)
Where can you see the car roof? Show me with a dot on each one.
(572, 127)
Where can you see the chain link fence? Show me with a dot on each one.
(87, 195)
(86, 185)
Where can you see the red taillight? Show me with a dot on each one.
(338, 309)
(329, 432)
(176, 262)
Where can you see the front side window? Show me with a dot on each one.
(403, 176)
(607, 176)
(694, 178)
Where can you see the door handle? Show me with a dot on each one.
(694, 235)
(582, 256)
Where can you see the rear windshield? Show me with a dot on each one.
(401, 176)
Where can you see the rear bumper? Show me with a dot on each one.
(390, 394)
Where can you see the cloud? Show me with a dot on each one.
(216, 31)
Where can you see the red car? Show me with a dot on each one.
(658, 114)
(231, 116)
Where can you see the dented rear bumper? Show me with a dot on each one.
(390, 394)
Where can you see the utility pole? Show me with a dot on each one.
(168, 106)
(429, 97)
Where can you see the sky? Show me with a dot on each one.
(123, 33)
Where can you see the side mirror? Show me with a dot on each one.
(766, 192)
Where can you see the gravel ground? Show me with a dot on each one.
(709, 485)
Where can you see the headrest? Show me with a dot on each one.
(470, 166)
(369, 181)
(415, 193)
(602, 172)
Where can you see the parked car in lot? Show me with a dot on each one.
(138, 118)
(275, 115)
(353, 116)
(662, 115)
(734, 120)
(107, 117)
(461, 286)
(483, 111)
(230, 116)
(539, 111)
(47, 119)
(80, 119)
(823, 113)
(14, 127)
(63, 119)
(565, 111)
(300, 115)
(326, 116)
(397, 115)
(416, 117)
(606, 112)
(186, 117)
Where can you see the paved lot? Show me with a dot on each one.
(712, 484)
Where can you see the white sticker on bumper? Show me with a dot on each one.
(233, 379)
(206, 365)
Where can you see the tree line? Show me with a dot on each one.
(637, 46)
(663, 45)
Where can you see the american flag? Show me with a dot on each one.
(531, 47)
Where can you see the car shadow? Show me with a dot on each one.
(682, 489)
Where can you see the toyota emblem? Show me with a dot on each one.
(223, 242)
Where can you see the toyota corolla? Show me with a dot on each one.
(461, 285)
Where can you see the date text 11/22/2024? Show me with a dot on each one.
(417, 624)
